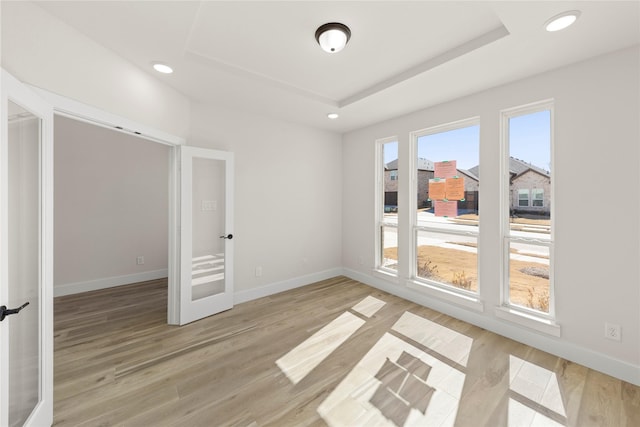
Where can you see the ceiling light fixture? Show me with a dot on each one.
(162, 68)
(333, 116)
(333, 37)
(562, 21)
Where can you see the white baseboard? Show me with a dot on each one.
(556, 346)
(107, 282)
(285, 285)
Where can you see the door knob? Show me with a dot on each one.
(228, 236)
(4, 311)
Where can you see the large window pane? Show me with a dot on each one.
(529, 237)
(390, 188)
(529, 275)
(447, 196)
(387, 225)
(389, 249)
(448, 177)
(449, 259)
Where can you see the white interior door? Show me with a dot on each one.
(26, 257)
(206, 233)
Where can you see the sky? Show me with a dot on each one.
(529, 140)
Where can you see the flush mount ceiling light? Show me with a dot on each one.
(562, 21)
(333, 116)
(162, 68)
(333, 37)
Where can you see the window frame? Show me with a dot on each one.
(544, 322)
(534, 199)
(379, 199)
(470, 299)
(522, 191)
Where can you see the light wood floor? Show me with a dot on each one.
(334, 353)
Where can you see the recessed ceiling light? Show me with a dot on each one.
(562, 21)
(333, 116)
(162, 68)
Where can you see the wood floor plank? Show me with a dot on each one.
(601, 403)
(630, 404)
(117, 362)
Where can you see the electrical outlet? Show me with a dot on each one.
(140, 260)
(612, 331)
(258, 271)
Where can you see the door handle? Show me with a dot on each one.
(4, 311)
(228, 236)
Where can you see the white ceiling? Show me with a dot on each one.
(262, 57)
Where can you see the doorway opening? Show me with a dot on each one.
(111, 208)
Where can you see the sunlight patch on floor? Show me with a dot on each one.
(368, 306)
(521, 415)
(395, 384)
(305, 357)
(537, 390)
(449, 343)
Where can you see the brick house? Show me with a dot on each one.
(529, 188)
(425, 171)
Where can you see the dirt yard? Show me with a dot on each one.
(459, 268)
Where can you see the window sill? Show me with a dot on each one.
(386, 275)
(539, 324)
(466, 301)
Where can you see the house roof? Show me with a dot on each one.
(423, 164)
(469, 174)
(428, 165)
(516, 167)
(392, 165)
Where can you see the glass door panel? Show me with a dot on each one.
(208, 208)
(24, 130)
(26, 256)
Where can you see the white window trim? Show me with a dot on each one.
(384, 272)
(531, 321)
(447, 293)
(439, 290)
(542, 322)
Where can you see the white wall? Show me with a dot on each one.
(41, 50)
(111, 205)
(288, 193)
(597, 136)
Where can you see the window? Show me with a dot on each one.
(527, 231)
(523, 197)
(447, 182)
(538, 197)
(387, 206)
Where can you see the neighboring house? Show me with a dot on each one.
(425, 170)
(391, 183)
(529, 188)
